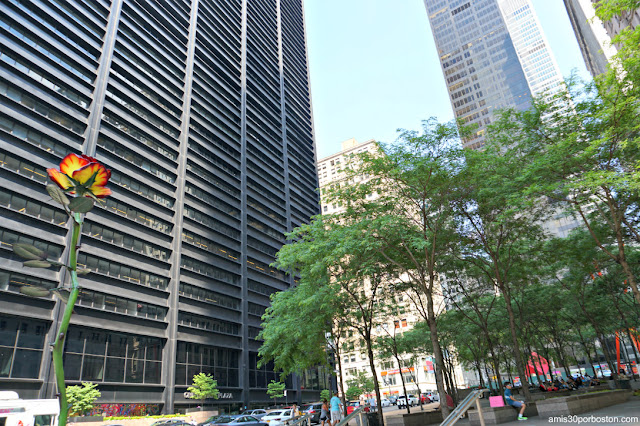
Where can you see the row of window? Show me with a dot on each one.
(137, 159)
(53, 56)
(37, 75)
(208, 296)
(94, 299)
(209, 245)
(25, 168)
(9, 238)
(41, 108)
(147, 117)
(209, 270)
(122, 272)
(208, 323)
(211, 200)
(136, 215)
(124, 240)
(10, 281)
(210, 222)
(23, 204)
(33, 137)
(141, 189)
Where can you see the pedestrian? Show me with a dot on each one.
(508, 396)
(324, 412)
(336, 406)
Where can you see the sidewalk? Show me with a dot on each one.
(616, 415)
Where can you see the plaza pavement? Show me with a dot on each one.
(607, 416)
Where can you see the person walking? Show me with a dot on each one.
(324, 413)
(508, 396)
(336, 406)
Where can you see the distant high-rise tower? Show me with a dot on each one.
(493, 55)
(594, 36)
(201, 108)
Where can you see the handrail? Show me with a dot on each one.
(298, 421)
(351, 416)
(463, 407)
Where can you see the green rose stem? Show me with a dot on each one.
(58, 345)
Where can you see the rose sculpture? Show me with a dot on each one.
(86, 179)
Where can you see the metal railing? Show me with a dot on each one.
(463, 407)
(304, 420)
(357, 413)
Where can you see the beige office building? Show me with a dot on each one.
(420, 369)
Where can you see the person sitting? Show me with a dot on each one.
(551, 388)
(542, 387)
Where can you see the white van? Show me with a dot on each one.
(27, 412)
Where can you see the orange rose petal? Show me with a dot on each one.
(83, 174)
(102, 177)
(60, 179)
(100, 191)
(71, 163)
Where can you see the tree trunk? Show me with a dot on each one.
(515, 343)
(341, 382)
(376, 384)
(404, 387)
(438, 356)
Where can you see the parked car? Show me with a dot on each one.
(237, 420)
(258, 413)
(167, 422)
(403, 400)
(313, 410)
(433, 396)
(385, 402)
(393, 399)
(425, 399)
(277, 417)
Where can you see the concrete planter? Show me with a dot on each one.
(422, 418)
(578, 404)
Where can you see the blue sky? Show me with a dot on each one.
(374, 66)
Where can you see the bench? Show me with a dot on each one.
(497, 415)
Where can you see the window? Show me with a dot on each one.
(222, 363)
(103, 356)
(21, 345)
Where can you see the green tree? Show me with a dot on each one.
(408, 221)
(362, 381)
(82, 398)
(275, 390)
(203, 387)
(338, 258)
(325, 394)
(353, 392)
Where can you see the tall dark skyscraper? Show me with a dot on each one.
(201, 109)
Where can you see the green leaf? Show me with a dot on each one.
(36, 263)
(27, 251)
(62, 294)
(81, 204)
(34, 291)
(58, 195)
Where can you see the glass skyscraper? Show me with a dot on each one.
(201, 109)
(493, 55)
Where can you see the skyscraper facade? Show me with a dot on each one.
(595, 43)
(493, 56)
(202, 111)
